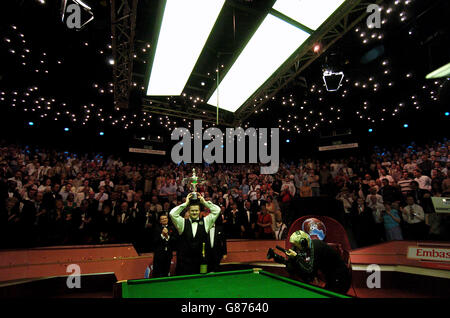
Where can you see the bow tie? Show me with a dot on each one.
(195, 221)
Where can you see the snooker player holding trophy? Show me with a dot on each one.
(193, 231)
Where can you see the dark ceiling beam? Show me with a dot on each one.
(244, 8)
(202, 75)
(186, 112)
(197, 89)
(123, 29)
(291, 21)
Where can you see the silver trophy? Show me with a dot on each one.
(195, 180)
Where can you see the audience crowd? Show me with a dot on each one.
(49, 197)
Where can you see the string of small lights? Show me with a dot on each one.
(298, 113)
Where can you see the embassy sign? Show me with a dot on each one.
(76, 14)
(437, 254)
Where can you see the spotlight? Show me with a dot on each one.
(30, 123)
(332, 80)
(66, 129)
(405, 125)
(111, 61)
(446, 113)
(316, 48)
(288, 140)
(101, 133)
(370, 130)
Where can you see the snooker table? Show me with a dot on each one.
(250, 283)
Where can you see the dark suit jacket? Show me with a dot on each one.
(243, 219)
(215, 253)
(256, 205)
(162, 247)
(49, 199)
(141, 219)
(233, 225)
(363, 225)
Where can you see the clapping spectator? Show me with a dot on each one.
(264, 224)
(362, 223)
(280, 229)
(414, 217)
(392, 220)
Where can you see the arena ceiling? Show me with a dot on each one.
(56, 77)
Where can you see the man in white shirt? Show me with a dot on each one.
(377, 213)
(373, 193)
(107, 183)
(409, 166)
(414, 217)
(347, 170)
(18, 179)
(289, 183)
(101, 197)
(423, 181)
(66, 190)
(193, 232)
(216, 247)
(383, 175)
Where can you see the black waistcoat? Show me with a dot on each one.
(190, 247)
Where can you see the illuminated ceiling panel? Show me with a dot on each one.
(271, 45)
(184, 31)
(311, 13)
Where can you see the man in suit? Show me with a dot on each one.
(147, 221)
(124, 223)
(50, 198)
(114, 202)
(163, 241)
(233, 227)
(216, 247)
(193, 233)
(363, 223)
(248, 220)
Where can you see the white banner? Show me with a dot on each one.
(147, 151)
(336, 147)
(429, 253)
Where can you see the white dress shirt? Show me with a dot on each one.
(212, 232)
(424, 182)
(209, 220)
(248, 213)
(416, 214)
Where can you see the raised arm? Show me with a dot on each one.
(177, 220)
(211, 218)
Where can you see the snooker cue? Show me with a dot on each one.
(281, 249)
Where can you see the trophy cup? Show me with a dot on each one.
(194, 182)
